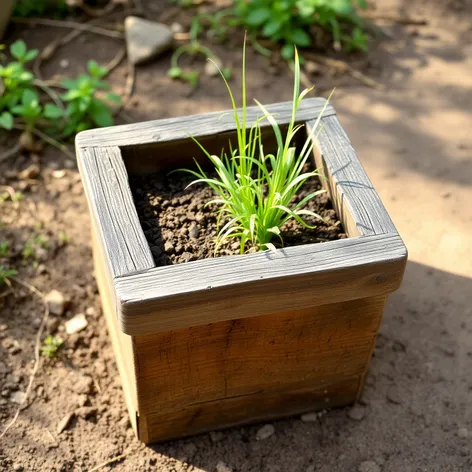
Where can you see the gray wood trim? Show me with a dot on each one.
(174, 129)
(112, 207)
(232, 287)
(348, 182)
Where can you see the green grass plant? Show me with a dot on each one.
(255, 190)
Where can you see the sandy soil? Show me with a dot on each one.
(415, 141)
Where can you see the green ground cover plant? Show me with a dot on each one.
(31, 105)
(255, 190)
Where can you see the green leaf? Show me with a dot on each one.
(18, 49)
(52, 111)
(271, 28)
(114, 98)
(288, 51)
(175, 72)
(300, 37)
(69, 83)
(30, 55)
(227, 73)
(258, 16)
(95, 69)
(6, 120)
(100, 114)
(30, 98)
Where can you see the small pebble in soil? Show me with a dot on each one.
(357, 413)
(222, 467)
(57, 302)
(64, 423)
(310, 417)
(193, 232)
(265, 432)
(368, 466)
(86, 412)
(76, 324)
(17, 397)
(18, 468)
(463, 432)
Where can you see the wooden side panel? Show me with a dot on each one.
(111, 204)
(260, 406)
(291, 350)
(175, 129)
(122, 343)
(225, 288)
(351, 191)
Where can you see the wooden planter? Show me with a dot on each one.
(232, 340)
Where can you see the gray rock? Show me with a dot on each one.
(57, 302)
(265, 432)
(17, 397)
(194, 232)
(368, 466)
(176, 28)
(146, 39)
(357, 413)
(169, 247)
(463, 432)
(309, 417)
(64, 423)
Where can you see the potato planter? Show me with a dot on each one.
(231, 340)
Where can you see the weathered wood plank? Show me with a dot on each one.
(245, 409)
(353, 194)
(175, 129)
(297, 349)
(122, 343)
(211, 290)
(111, 204)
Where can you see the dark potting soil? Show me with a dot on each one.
(179, 228)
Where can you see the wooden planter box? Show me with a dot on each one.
(232, 340)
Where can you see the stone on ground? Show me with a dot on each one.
(146, 39)
(368, 466)
(265, 432)
(57, 302)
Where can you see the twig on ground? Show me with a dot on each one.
(37, 347)
(344, 67)
(70, 24)
(116, 61)
(10, 152)
(111, 461)
(401, 20)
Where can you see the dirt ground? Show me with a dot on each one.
(415, 140)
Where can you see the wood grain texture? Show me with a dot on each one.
(122, 343)
(211, 290)
(288, 350)
(246, 409)
(175, 129)
(111, 204)
(351, 191)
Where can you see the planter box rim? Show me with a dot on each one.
(323, 272)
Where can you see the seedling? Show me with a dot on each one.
(4, 248)
(5, 274)
(194, 48)
(255, 190)
(51, 346)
